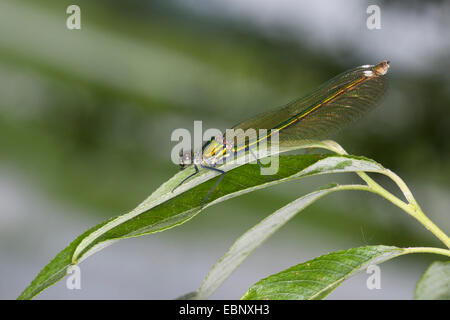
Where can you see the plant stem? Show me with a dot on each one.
(412, 207)
(414, 210)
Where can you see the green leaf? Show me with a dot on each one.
(434, 283)
(317, 278)
(165, 209)
(254, 237)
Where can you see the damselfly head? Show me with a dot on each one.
(381, 68)
(186, 158)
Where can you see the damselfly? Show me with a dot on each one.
(334, 104)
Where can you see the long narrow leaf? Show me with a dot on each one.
(317, 278)
(165, 209)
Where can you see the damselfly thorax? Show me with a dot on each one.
(213, 153)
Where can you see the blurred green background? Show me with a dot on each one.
(86, 117)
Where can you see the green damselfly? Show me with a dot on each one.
(339, 101)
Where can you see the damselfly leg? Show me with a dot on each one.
(187, 178)
(215, 185)
(260, 164)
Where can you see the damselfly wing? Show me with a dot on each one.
(330, 107)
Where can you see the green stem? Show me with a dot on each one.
(412, 207)
(440, 251)
(402, 185)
